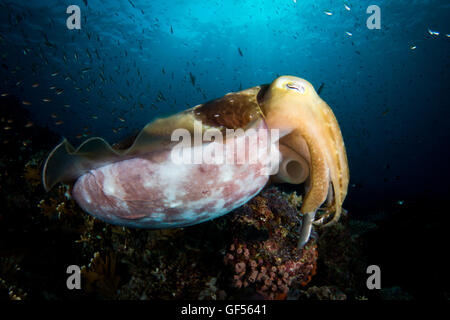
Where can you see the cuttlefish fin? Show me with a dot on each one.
(65, 163)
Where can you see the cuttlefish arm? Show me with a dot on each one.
(308, 126)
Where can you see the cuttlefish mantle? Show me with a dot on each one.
(139, 185)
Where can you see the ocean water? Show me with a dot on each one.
(133, 61)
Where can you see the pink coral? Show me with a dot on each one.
(271, 265)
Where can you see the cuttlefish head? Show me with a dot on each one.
(311, 141)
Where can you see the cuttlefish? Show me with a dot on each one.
(150, 181)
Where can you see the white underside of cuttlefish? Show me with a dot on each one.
(142, 186)
(153, 191)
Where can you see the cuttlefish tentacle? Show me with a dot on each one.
(309, 127)
(318, 183)
(337, 163)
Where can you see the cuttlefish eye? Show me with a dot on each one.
(296, 86)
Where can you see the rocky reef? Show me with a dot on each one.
(263, 255)
(250, 253)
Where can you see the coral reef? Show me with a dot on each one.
(100, 275)
(9, 268)
(341, 260)
(324, 293)
(264, 255)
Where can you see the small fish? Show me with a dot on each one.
(67, 106)
(54, 115)
(52, 88)
(132, 3)
(59, 91)
(47, 100)
(192, 78)
(320, 88)
(171, 29)
(5, 94)
(347, 7)
(400, 202)
(86, 69)
(35, 85)
(28, 124)
(240, 52)
(59, 122)
(47, 42)
(94, 117)
(161, 96)
(26, 103)
(7, 128)
(328, 13)
(18, 83)
(349, 33)
(121, 119)
(413, 47)
(433, 33)
(54, 74)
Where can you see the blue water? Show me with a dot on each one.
(132, 61)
